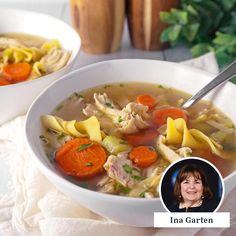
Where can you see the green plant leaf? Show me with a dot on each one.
(209, 25)
(175, 32)
(165, 35)
(200, 49)
(168, 17)
(206, 21)
(190, 31)
(223, 58)
(228, 4)
(228, 24)
(232, 50)
(224, 39)
(84, 146)
(233, 80)
(213, 8)
(170, 34)
(191, 10)
(180, 15)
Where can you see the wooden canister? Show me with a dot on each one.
(99, 24)
(144, 22)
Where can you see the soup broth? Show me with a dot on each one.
(138, 123)
(27, 57)
(26, 39)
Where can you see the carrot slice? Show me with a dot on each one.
(146, 100)
(81, 157)
(3, 81)
(160, 116)
(145, 137)
(143, 156)
(16, 72)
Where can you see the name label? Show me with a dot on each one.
(191, 220)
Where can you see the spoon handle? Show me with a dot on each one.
(219, 79)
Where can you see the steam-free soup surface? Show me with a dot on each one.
(141, 129)
(28, 57)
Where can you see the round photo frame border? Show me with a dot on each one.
(195, 158)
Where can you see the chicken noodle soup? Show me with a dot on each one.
(118, 139)
(27, 57)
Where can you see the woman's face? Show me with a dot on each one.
(191, 188)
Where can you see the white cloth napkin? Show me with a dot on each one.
(33, 206)
(206, 62)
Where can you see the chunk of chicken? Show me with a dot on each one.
(128, 120)
(105, 122)
(148, 185)
(148, 195)
(169, 154)
(107, 185)
(92, 110)
(156, 169)
(136, 108)
(184, 151)
(132, 123)
(55, 60)
(121, 169)
(9, 42)
(106, 105)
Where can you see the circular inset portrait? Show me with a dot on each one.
(191, 185)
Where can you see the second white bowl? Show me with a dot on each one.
(15, 99)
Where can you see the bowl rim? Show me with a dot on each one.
(71, 185)
(71, 60)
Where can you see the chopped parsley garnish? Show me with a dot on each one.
(135, 169)
(120, 119)
(51, 156)
(44, 139)
(188, 153)
(61, 136)
(89, 164)
(123, 142)
(128, 169)
(146, 191)
(84, 185)
(59, 107)
(107, 86)
(78, 95)
(119, 187)
(138, 177)
(84, 146)
(151, 148)
(142, 194)
(116, 186)
(125, 189)
(108, 104)
(54, 132)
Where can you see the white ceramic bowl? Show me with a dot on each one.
(15, 99)
(129, 211)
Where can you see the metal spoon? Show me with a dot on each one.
(224, 76)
